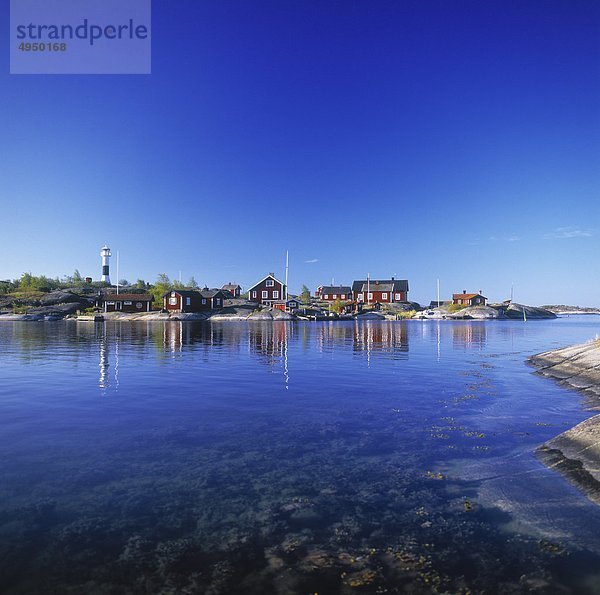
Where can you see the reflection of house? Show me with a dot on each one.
(469, 299)
(182, 300)
(267, 291)
(126, 302)
(233, 289)
(330, 293)
(371, 291)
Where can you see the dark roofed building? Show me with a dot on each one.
(126, 302)
(330, 293)
(383, 291)
(212, 299)
(234, 289)
(469, 299)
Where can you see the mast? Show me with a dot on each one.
(368, 289)
(287, 266)
(117, 272)
(438, 292)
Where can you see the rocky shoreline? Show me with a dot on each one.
(576, 452)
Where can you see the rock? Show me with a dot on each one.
(531, 312)
(370, 316)
(477, 313)
(64, 297)
(56, 310)
(576, 452)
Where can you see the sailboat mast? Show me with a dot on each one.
(287, 266)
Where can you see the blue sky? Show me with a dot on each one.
(457, 140)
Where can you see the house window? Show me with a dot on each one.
(343, 296)
(270, 283)
(326, 296)
(369, 296)
(218, 301)
(172, 301)
(360, 297)
(398, 296)
(204, 301)
(265, 295)
(110, 303)
(384, 296)
(139, 305)
(334, 296)
(188, 301)
(254, 294)
(275, 294)
(172, 294)
(126, 303)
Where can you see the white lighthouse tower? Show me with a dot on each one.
(105, 253)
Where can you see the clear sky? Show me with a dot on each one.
(457, 140)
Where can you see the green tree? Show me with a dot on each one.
(162, 285)
(77, 278)
(192, 284)
(305, 295)
(140, 284)
(338, 306)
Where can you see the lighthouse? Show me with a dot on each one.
(105, 253)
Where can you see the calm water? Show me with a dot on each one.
(288, 458)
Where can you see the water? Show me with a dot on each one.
(288, 458)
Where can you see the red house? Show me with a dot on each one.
(126, 302)
(267, 291)
(331, 293)
(382, 291)
(469, 299)
(212, 299)
(182, 300)
(234, 289)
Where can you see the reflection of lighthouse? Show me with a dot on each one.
(105, 253)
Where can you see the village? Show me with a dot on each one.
(267, 299)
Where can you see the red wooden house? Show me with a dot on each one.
(382, 291)
(331, 293)
(126, 302)
(234, 289)
(469, 299)
(182, 300)
(267, 291)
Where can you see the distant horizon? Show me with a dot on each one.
(458, 141)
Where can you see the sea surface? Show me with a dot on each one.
(254, 458)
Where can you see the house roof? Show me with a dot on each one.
(231, 286)
(335, 289)
(211, 293)
(391, 285)
(182, 292)
(264, 279)
(468, 296)
(128, 297)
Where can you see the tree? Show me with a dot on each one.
(161, 286)
(123, 282)
(77, 278)
(140, 284)
(338, 306)
(192, 284)
(305, 295)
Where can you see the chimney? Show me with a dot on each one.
(480, 292)
(393, 278)
(464, 291)
(271, 274)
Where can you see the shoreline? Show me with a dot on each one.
(575, 453)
